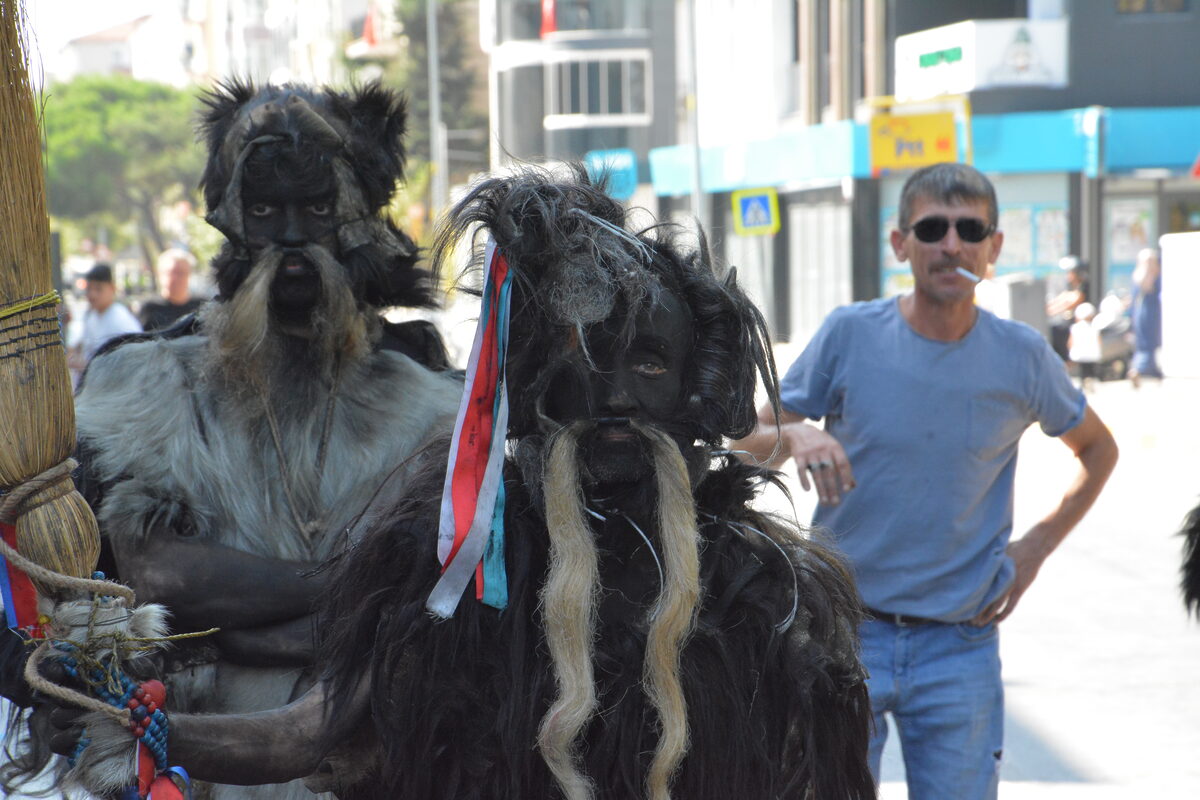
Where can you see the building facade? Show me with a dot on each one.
(1069, 106)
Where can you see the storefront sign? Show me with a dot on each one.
(981, 54)
(912, 140)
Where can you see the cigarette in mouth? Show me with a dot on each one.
(966, 273)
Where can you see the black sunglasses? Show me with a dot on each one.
(970, 229)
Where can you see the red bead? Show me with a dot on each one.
(156, 692)
(152, 707)
(133, 703)
(139, 692)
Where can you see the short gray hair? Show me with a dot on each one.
(169, 256)
(948, 183)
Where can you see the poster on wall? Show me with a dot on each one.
(1017, 252)
(1053, 235)
(894, 277)
(1131, 226)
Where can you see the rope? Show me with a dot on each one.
(34, 678)
(49, 577)
(71, 696)
(12, 503)
(47, 299)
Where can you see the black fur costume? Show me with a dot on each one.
(776, 699)
(1191, 561)
(170, 445)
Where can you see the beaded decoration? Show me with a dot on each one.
(147, 720)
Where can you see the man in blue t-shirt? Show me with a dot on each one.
(924, 399)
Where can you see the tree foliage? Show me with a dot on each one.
(121, 149)
(463, 80)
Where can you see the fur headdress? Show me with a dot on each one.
(255, 135)
(575, 263)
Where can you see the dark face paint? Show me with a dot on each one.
(291, 214)
(643, 381)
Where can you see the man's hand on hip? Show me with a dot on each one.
(1028, 555)
(820, 455)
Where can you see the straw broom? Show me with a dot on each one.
(55, 527)
(58, 543)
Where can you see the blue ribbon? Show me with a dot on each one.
(495, 578)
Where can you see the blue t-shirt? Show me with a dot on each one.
(931, 430)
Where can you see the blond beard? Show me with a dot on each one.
(569, 603)
(248, 347)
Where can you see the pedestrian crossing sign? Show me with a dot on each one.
(755, 212)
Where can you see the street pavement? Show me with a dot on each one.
(1101, 663)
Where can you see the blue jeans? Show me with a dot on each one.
(941, 685)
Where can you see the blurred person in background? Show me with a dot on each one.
(1083, 345)
(1146, 311)
(1061, 309)
(105, 318)
(174, 276)
(927, 396)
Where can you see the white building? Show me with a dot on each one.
(186, 42)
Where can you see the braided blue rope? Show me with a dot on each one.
(99, 679)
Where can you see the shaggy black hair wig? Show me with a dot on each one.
(776, 701)
(576, 262)
(370, 121)
(353, 140)
(456, 703)
(1191, 561)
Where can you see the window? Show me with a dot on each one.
(598, 88)
(582, 15)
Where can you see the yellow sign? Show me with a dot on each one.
(755, 212)
(912, 140)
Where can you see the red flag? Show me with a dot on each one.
(549, 17)
(369, 36)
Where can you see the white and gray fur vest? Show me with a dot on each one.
(167, 442)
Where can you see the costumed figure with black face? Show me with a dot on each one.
(226, 457)
(579, 601)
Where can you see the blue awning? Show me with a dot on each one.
(1067, 140)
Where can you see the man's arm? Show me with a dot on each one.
(774, 440)
(265, 747)
(1064, 302)
(1096, 450)
(272, 746)
(207, 585)
(284, 644)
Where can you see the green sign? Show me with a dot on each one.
(947, 56)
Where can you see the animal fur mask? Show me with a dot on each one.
(576, 263)
(354, 138)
